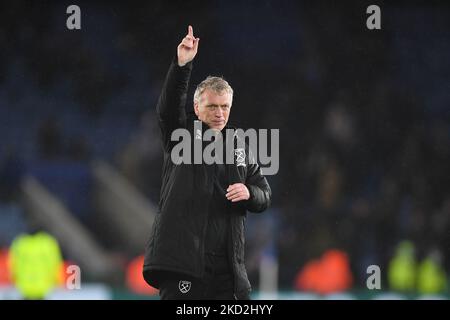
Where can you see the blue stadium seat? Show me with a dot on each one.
(70, 181)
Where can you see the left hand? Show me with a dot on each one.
(237, 192)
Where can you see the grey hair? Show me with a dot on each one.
(216, 84)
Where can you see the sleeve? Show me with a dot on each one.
(260, 192)
(172, 100)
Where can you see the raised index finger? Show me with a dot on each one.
(190, 31)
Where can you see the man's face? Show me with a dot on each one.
(213, 108)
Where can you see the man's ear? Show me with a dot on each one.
(196, 108)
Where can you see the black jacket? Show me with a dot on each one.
(177, 238)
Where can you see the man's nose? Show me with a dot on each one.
(219, 113)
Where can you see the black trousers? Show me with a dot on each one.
(217, 284)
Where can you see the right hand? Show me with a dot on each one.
(187, 49)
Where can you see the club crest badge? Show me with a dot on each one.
(240, 157)
(184, 286)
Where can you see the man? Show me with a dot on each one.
(196, 246)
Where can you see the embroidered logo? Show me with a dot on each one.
(184, 286)
(240, 157)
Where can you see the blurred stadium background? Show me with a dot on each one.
(364, 119)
